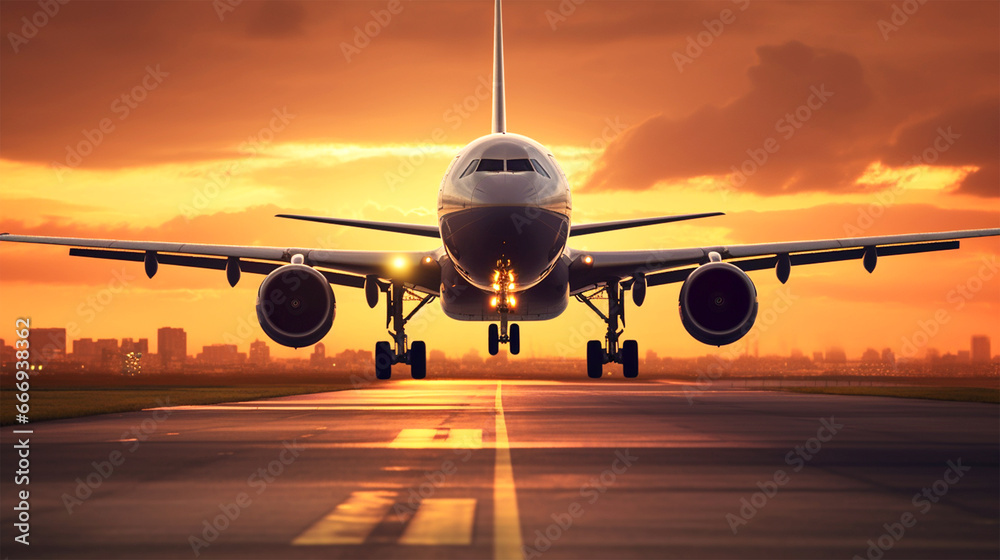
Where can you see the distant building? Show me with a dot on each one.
(981, 349)
(817, 357)
(140, 346)
(108, 353)
(888, 356)
(171, 345)
(221, 355)
(871, 356)
(260, 353)
(836, 356)
(47, 345)
(318, 358)
(85, 350)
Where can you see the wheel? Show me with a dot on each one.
(494, 340)
(595, 359)
(383, 360)
(515, 339)
(418, 360)
(630, 358)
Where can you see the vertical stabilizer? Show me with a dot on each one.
(499, 102)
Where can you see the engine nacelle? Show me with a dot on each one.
(718, 303)
(296, 305)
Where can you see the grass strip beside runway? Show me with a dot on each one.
(965, 394)
(53, 404)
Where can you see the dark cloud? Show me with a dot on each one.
(814, 145)
(803, 102)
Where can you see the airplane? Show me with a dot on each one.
(504, 223)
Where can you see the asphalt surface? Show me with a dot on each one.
(446, 469)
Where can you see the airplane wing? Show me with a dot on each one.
(418, 269)
(410, 229)
(584, 229)
(592, 269)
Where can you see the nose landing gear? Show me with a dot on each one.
(503, 300)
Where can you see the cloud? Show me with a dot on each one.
(784, 136)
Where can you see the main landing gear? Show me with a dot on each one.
(396, 352)
(597, 354)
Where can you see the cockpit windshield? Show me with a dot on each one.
(490, 165)
(519, 165)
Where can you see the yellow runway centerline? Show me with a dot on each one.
(506, 520)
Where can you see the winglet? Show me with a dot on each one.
(499, 100)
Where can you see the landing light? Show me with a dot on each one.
(588, 260)
(511, 301)
(493, 301)
(428, 260)
(399, 263)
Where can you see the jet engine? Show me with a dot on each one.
(295, 305)
(718, 303)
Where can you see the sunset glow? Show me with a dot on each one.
(177, 121)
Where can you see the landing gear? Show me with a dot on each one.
(599, 354)
(504, 334)
(503, 300)
(396, 352)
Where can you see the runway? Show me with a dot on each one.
(517, 469)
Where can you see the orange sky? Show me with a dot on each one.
(194, 151)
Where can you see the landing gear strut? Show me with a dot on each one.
(599, 354)
(396, 352)
(503, 300)
(507, 334)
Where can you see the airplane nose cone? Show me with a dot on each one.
(506, 188)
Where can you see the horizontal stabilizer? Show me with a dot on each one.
(409, 229)
(599, 227)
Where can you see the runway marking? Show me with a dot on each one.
(441, 521)
(351, 522)
(506, 521)
(255, 406)
(428, 438)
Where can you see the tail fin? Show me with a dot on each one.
(499, 102)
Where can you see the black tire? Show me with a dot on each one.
(595, 359)
(494, 340)
(383, 360)
(418, 360)
(515, 339)
(630, 358)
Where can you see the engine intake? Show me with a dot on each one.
(296, 305)
(718, 303)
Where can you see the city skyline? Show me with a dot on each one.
(53, 344)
